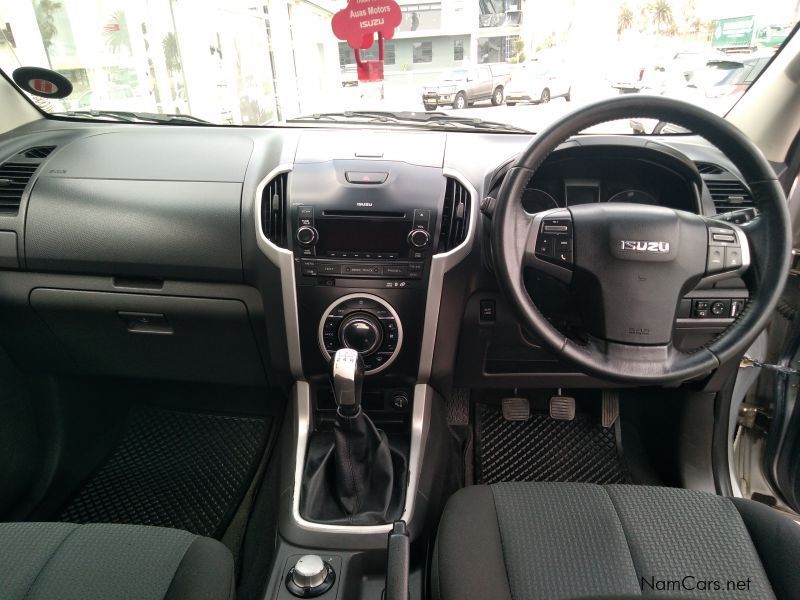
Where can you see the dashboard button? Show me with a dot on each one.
(328, 268)
(308, 268)
(419, 238)
(306, 236)
(396, 270)
(366, 177)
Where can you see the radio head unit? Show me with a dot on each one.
(361, 244)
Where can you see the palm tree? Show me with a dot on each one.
(116, 33)
(172, 54)
(45, 17)
(625, 18)
(661, 11)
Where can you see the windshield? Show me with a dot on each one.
(511, 62)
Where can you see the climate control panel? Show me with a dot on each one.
(365, 323)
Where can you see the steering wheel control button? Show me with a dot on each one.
(716, 259)
(733, 257)
(723, 237)
(554, 242)
(310, 577)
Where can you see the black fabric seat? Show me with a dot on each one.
(572, 540)
(111, 562)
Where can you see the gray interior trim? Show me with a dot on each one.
(420, 423)
(440, 265)
(284, 260)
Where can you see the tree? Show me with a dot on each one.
(661, 12)
(45, 17)
(116, 33)
(624, 19)
(172, 54)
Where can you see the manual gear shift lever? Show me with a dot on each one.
(360, 480)
(347, 378)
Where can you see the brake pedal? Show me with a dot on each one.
(562, 408)
(516, 409)
(610, 408)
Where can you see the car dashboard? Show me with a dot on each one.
(254, 254)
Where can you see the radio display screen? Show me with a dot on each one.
(364, 235)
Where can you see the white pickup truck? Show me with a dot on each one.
(462, 87)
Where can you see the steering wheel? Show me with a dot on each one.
(629, 265)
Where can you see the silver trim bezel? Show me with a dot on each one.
(440, 265)
(381, 301)
(284, 260)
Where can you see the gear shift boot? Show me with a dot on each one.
(356, 478)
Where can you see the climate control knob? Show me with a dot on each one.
(419, 239)
(361, 332)
(306, 236)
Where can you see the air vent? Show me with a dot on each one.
(729, 194)
(38, 152)
(455, 216)
(14, 176)
(709, 168)
(273, 210)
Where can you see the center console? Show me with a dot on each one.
(362, 236)
(365, 242)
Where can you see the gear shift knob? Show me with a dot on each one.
(347, 376)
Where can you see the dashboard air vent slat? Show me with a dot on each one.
(274, 210)
(729, 194)
(38, 152)
(709, 168)
(455, 216)
(14, 177)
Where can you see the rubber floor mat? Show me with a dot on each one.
(544, 449)
(174, 469)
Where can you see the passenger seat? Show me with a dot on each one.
(111, 562)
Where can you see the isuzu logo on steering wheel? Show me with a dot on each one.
(637, 246)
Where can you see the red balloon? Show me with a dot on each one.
(358, 23)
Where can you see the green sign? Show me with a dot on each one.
(733, 33)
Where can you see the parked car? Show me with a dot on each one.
(463, 87)
(538, 83)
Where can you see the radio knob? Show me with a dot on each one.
(419, 238)
(361, 332)
(306, 236)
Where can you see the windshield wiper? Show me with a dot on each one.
(426, 119)
(134, 117)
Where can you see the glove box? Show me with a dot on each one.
(153, 337)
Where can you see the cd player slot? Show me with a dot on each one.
(376, 214)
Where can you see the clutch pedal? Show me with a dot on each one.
(516, 409)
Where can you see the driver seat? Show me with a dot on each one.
(577, 540)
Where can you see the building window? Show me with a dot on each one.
(347, 55)
(458, 49)
(423, 52)
(421, 17)
(388, 53)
